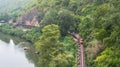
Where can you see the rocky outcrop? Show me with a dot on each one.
(28, 19)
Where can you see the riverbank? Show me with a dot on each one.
(12, 48)
(31, 35)
(6, 38)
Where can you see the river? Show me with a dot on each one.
(12, 53)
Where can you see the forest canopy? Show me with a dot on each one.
(96, 21)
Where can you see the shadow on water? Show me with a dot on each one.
(19, 44)
(6, 38)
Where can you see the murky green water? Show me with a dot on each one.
(12, 53)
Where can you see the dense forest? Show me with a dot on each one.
(96, 21)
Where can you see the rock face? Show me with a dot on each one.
(29, 19)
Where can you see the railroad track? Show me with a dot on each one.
(80, 54)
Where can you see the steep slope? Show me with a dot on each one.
(28, 19)
(9, 6)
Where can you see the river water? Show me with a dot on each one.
(12, 53)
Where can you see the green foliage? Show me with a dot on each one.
(47, 40)
(69, 45)
(66, 21)
(6, 28)
(100, 22)
(92, 19)
(64, 18)
(30, 35)
(5, 17)
(101, 34)
(108, 58)
(51, 53)
(50, 17)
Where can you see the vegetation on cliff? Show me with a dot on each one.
(97, 21)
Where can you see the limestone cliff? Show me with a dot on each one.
(28, 19)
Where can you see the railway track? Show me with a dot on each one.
(80, 54)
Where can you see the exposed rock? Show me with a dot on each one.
(26, 48)
(29, 19)
(37, 52)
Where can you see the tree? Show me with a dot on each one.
(108, 58)
(67, 21)
(50, 17)
(51, 53)
(47, 44)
